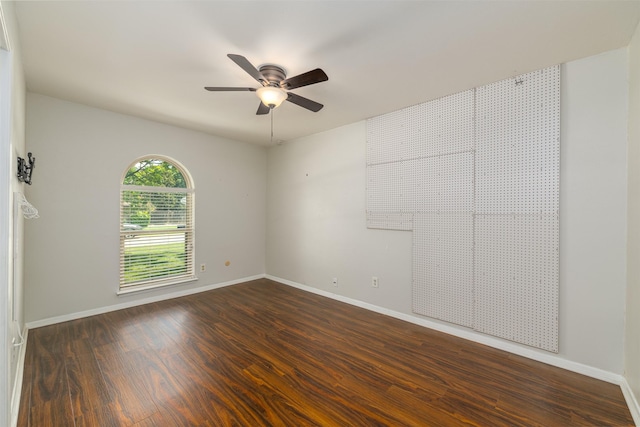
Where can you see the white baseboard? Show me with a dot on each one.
(115, 307)
(17, 381)
(470, 335)
(632, 402)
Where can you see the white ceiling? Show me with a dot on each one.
(152, 58)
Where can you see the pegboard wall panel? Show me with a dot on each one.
(387, 137)
(390, 221)
(516, 278)
(475, 175)
(420, 159)
(441, 126)
(517, 205)
(518, 144)
(443, 267)
(432, 184)
(434, 128)
(438, 184)
(384, 187)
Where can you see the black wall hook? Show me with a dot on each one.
(25, 170)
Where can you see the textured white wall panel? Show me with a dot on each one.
(441, 126)
(383, 188)
(421, 184)
(443, 267)
(517, 205)
(431, 184)
(516, 278)
(390, 221)
(455, 182)
(518, 144)
(434, 128)
(387, 137)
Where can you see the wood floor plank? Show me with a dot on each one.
(52, 413)
(174, 394)
(265, 354)
(86, 385)
(49, 378)
(130, 402)
(216, 390)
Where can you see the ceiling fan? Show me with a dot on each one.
(275, 85)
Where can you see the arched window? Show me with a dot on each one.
(156, 225)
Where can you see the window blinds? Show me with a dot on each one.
(156, 235)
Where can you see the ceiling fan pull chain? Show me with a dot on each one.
(271, 125)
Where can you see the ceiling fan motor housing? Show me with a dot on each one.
(273, 73)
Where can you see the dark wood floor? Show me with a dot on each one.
(264, 354)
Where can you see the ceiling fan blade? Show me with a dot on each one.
(230, 89)
(247, 66)
(304, 79)
(304, 102)
(262, 109)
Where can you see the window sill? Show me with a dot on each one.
(153, 286)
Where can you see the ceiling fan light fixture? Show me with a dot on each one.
(271, 96)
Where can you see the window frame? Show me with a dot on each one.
(188, 230)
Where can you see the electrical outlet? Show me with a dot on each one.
(374, 282)
(203, 267)
(335, 281)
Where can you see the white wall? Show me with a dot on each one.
(632, 341)
(593, 210)
(12, 145)
(72, 250)
(316, 216)
(316, 221)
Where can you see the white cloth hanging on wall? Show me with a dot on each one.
(28, 210)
